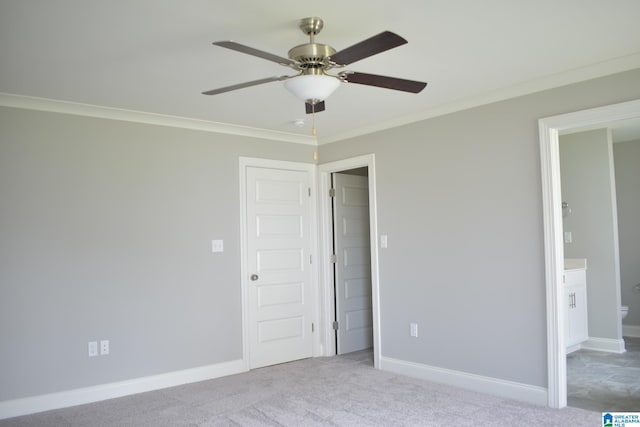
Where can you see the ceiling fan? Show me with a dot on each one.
(313, 83)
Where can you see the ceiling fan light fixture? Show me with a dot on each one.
(312, 88)
(312, 60)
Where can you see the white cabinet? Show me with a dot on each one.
(576, 320)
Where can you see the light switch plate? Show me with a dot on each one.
(383, 241)
(413, 330)
(93, 348)
(217, 246)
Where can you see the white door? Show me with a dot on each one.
(278, 252)
(353, 263)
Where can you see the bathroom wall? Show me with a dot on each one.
(587, 179)
(627, 161)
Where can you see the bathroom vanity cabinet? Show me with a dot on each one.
(576, 320)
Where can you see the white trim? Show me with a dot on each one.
(479, 383)
(326, 268)
(601, 69)
(632, 331)
(574, 347)
(549, 128)
(554, 261)
(244, 298)
(604, 344)
(80, 396)
(326, 279)
(310, 168)
(616, 239)
(87, 110)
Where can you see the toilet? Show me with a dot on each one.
(624, 310)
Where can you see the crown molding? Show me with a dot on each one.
(88, 110)
(601, 69)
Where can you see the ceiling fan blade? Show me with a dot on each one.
(369, 47)
(383, 81)
(314, 108)
(246, 84)
(255, 52)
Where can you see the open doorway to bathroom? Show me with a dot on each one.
(550, 128)
(598, 191)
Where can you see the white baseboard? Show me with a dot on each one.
(631, 331)
(604, 344)
(503, 388)
(63, 399)
(573, 348)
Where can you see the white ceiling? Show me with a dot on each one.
(156, 56)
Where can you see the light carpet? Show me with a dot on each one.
(333, 391)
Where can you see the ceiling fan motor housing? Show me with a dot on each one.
(311, 55)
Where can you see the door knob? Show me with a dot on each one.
(254, 277)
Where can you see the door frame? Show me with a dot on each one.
(549, 129)
(244, 163)
(327, 306)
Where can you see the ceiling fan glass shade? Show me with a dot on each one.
(312, 88)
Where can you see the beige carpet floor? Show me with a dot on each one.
(336, 391)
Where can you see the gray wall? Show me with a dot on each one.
(460, 198)
(106, 227)
(627, 160)
(105, 231)
(586, 161)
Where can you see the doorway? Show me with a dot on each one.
(549, 129)
(351, 260)
(327, 286)
(277, 246)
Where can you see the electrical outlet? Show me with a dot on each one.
(413, 330)
(104, 347)
(93, 348)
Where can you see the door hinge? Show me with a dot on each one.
(312, 327)
(335, 326)
(332, 192)
(309, 191)
(333, 258)
(310, 259)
